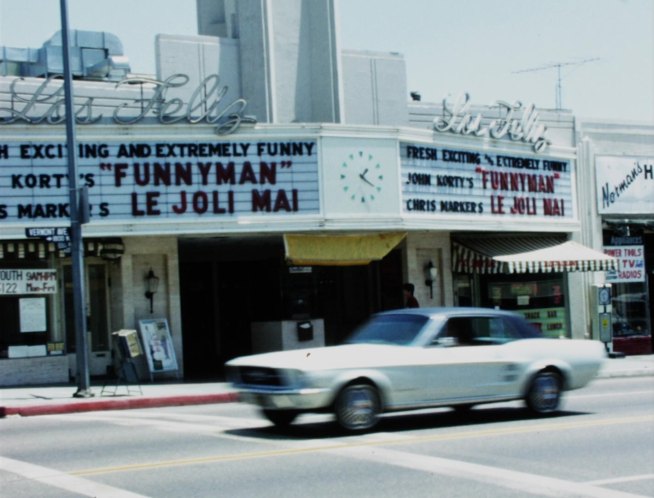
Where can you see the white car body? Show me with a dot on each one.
(432, 370)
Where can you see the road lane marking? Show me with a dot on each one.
(305, 447)
(74, 484)
(611, 395)
(171, 423)
(618, 480)
(524, 482)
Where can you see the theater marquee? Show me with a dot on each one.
(462, 183)
(167, 180)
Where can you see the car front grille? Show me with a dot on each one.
(259, 376)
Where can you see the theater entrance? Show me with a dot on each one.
(227, 284)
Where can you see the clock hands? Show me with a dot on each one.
(363, 177)
(355, 167)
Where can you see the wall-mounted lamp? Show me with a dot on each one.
(151, 286)
(431, 273)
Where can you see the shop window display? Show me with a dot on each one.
(540, 300)
(630, 315)
(26, 308)
(630, 289)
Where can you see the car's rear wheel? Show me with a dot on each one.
(357, 407)
(544, 395)
(281, 418)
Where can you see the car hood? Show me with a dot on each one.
(328, 357)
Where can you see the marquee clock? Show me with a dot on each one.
(361, 177)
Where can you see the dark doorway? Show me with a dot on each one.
(224, 288)
(348, 295)
(228, 285)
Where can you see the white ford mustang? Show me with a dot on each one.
(418, 358)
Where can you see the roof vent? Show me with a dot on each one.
(94, 55)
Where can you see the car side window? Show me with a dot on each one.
(475, 331)
(459, 331)
(501, 331)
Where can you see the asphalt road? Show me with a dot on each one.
(601, 445)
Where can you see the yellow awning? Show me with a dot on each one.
(339, 250)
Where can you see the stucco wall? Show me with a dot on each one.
(421, 248)
(159, 254)
(374, 88)
(39, 370)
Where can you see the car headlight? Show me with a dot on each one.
(297, 378)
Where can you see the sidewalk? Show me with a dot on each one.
(48, 400)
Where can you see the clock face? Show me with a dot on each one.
(361, 177)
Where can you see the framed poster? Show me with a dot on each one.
(158, 345)
(32, 314)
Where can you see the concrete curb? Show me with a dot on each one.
(116, 404)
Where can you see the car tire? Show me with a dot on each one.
(281, 418)
(544, 395)
(357, 407)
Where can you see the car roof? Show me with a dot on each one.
(444, 312)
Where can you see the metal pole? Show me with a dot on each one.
(559, 89)
(76, 242)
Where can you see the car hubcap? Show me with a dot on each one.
(546, 393)
(358, 408)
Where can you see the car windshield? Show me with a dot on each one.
(400, 329)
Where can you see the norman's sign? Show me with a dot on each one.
(624, 185)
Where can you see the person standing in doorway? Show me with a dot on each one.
(410, 300)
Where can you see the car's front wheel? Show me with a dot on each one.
(281, 418)
(544, 393)
(357, 407)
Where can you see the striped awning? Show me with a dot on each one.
(527, 255)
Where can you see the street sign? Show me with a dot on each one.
(58, 235)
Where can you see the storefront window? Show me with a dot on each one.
(540, 300)
(26, 312)
(463, 290)
(630, 314)
(630, 288)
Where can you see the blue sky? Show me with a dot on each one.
(450, 46)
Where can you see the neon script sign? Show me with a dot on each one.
(519, 124)
(206, 105)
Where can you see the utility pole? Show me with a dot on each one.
(76, 219)
(557, 66)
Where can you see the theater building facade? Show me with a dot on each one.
(248, 219)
